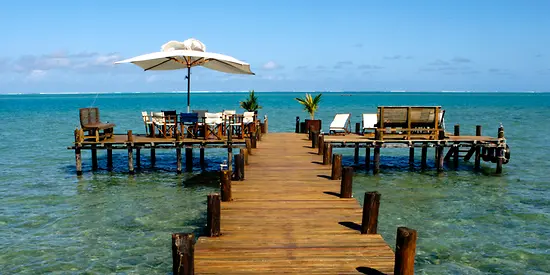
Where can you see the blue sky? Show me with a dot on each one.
(70, 46)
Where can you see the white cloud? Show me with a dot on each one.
(271, 65)
(36, 75)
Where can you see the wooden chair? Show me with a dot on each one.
(92, 125)
(189, 124)
(249, 123)
(214, 124)
(408, 122)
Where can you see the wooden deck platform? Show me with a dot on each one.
(286, 218)
(146, 141)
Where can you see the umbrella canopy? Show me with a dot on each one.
(190, 53)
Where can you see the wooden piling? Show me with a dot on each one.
(253, 140)
(424, 157)
(138, 157)
(356, 154)
(258, 135)
(371, 206)
(321, 144)
(457, 130)
(183, 253)
(297, 131)
(178, 159)
(213, 215)
(336, 173)
(238, 173)
(248, 144)
(130, 159)
(376, 168)
(405, 249)
(455, 156)
(244, 153)
(78, 159)
(225, 184)
(109, 157)
(129, 136)
(230, 159)
(478, 130)
(153, 157)
(500, 158)
(94, 157)
(440, 157)
(346, 183)
(411, 156)
(327, 154)
(314, 139)
(201, 157)
(189, 159)
(266, 128)
(367, 158)
(358, 127)
(477, 157)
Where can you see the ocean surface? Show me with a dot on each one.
(52, 221)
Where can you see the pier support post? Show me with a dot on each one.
(153, 157)
(500, 158)
(183, 253)
(109, 157)
(405, 249)
(440, 157)
(189, 159)
(230, 159)
(238, 173)
(253, 140)
(358, 127)
(327, 154)
(244, 153)
(347, 183)
(321, 144)
(314, 139)
(248, 144)
(411, 156)
(477, 157)
(336, 167)
(201, 157)
(78, 159)
(423, 161)
(213, 214)
(455, 156)
(356, 154)
(478, 130)
(225, 179)
(297, 131)
(371, 206)
(138, 157)
(178, 158)
(367, 157)
(94, 157)
(130, 160)
(376, 168)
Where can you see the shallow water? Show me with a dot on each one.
(107, 222)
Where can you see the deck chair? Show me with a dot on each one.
(369, 122)
(201, 128)
(189, 124)
(227, 116)
(213, 123)
(171, 122)
(164, 127)
(148, 124)
(92, 125)
(248, 123)
(340, 124)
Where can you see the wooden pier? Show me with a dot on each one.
(288, 217)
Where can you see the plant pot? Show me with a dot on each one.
(315, 125)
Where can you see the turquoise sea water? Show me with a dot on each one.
(111, 222)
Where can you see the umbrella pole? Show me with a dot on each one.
(188, 87)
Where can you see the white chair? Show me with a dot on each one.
(340, 124)
(159, 121)
(214, 123)
(149, 130)
(369, 122)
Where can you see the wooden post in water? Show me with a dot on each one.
(153, 156)
(356, 154)
(371, 206)
(130, 159)
(456, 147)
(138, 157)
(405, 249)
(500, 150)
(424, 157)
(78, 159)
(297, 125)
(314, 139)
(347, 182)
(327, 154)
(411, 156)
(376, 168)
(477, 158)
(201, 157)
(183, 253)
(336, 173)
(367, 157)
(321, 144)
(358, 127)
(189, 159)
(225, 179)
(178, 158)
(440, 157)
(109, 157)
(94, 157)
(213, 214)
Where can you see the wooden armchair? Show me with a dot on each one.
(409, 122)
(92, 126)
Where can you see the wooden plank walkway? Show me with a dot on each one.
(286, 217)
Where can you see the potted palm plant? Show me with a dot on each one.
(251, 103)
(311, 104)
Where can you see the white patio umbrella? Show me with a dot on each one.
(189, 53)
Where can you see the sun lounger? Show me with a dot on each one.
(340, 124)
(369, 122)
